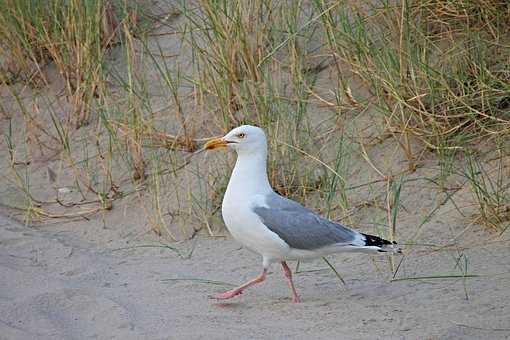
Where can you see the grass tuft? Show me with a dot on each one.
(357, 98)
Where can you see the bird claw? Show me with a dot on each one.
(227, 295)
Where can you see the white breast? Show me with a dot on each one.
(248, 187)
(245, 226)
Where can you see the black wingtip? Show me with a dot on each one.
(384, 245)
(376, 241)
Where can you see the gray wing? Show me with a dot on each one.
(300, 227)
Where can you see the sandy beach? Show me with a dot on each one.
(54, 284)
(392, 119)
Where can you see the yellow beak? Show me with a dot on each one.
(215, 143)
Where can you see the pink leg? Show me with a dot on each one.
(236, 291)
(288, 275)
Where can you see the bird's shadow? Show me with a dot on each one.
(228, 305)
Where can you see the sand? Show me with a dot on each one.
(103, 278)
(56, 284)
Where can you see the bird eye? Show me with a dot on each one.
(241, 135)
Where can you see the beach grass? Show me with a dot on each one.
(333, 83)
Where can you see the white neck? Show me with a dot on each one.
(249, 175)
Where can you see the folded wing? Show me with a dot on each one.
(300, 227)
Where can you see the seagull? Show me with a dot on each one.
(273, 226)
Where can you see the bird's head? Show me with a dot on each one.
(244, 139)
